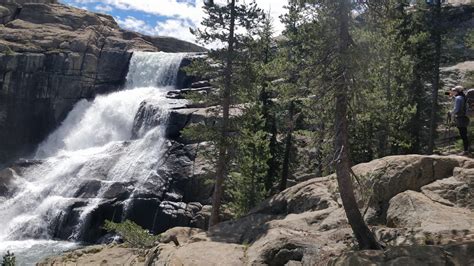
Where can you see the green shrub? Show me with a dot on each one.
(8, 259)
(132, 233)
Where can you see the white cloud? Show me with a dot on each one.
(134, 24)
(169, 8)
(103, 8)
(175, 28)
(181, 14)
(172, 27)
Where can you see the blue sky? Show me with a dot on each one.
(163, 17)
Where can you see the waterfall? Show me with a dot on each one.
(92, 159)
(110, 118)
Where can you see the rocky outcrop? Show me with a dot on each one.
(99, 255)
(457, 254)
(51, 56)
(455, 191)
(458, 2)
(412, 209)
(306, 225)
(392, 175)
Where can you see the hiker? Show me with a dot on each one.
(459, 113)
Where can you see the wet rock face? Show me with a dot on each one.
(159, 204)
(148, 116)
(7, 176)
(51, 56)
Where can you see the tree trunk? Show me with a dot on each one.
(272, 162)
(434, 94)
(364, 236)
(270, 128)
(222, 162)
(384, 146)
(288, 143)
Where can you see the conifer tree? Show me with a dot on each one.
(436, 39)
(383, 106)
(247, 181)
(331, 74)
(365, 237)
(220, 27)
(264, 55)
(416, 39)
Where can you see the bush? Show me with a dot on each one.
(8, 259)
(132, 233)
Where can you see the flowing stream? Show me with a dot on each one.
(81, 164)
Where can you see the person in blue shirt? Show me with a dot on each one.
(459, 113)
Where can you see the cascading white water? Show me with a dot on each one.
(92, 146)
(110, 118)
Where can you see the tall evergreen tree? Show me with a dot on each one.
(342, 82)
(436, 39)
(383, 106)
(250, 179)
(247, 180)
(220, 27)
(326, 66)
(264, 54)
(223, 145)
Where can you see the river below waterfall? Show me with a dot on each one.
(96, 156)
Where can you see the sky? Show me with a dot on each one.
(165, 17)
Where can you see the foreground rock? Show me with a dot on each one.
(457, 254)
(51, 56)
(306, 225)
(99, 255)
(411, 209)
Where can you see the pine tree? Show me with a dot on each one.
(383, 107)
(220, 26)
(436, 38)
(250, 179)
(264, 55)
(323, 61)
(365, 237)
(416, 39)
(247, 181)
(223, 144)
(291, 67)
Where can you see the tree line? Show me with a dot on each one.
(353, 80)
